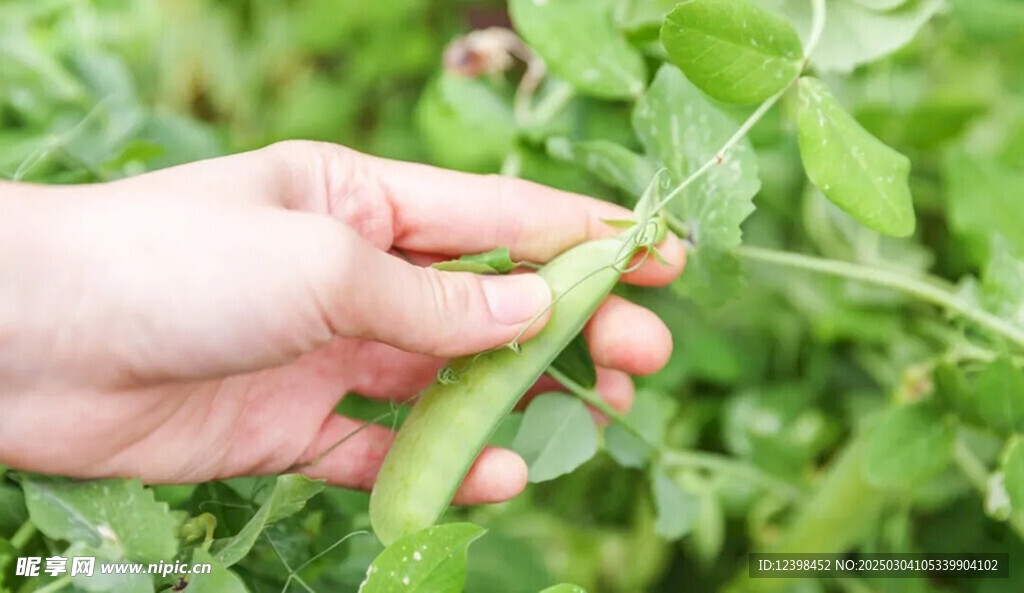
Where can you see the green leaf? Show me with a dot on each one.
(220, 579)
(639, 15)
(557, 436)
(854, 170)
(466, 124)
(138, 152)
(119, 513)
(1001, 290)
(12, 508)
(682, 129)
(498, 261)
(26, 63)
(428, 561)
(990, 20)
(709, 530)
(289, 495)
(984, 199)
(953, 389)
(536, 165)
(564, 588)
(934, 120)
(713, 276)
(183, 140)
(612, 163)
(653, 197)
(174, 495)
(98, 582)
(1013, 469)
(508, 562)
(856, 33)
(505, 434)
(650, 415)
(8, 556)
(999, 392)
(777, 428)
(678, 510)
(732, 49)
(575, 362)
(1003, 282)
(909, 445)
(579, 44)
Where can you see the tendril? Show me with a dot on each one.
(446, 375)
(449, 374)
(637, 265)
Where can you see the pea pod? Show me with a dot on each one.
(451, 422)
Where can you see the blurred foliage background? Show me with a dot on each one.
(781, 380)
(98, 85)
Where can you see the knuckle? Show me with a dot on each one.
(325, 171)
(334, 269)
(450, 299)
(507, 190)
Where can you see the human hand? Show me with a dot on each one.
(204, 321)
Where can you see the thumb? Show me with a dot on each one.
(438, 313)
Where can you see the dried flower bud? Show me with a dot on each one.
(487, 51)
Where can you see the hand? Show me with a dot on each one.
(204, 321)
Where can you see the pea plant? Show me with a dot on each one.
(719, 67)
(849, 328)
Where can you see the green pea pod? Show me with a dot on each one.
(452, 421)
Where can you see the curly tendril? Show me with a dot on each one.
(447, 375)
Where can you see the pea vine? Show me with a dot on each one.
(851, 398)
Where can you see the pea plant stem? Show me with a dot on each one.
(512, 165)
(817, 27)
(727, 465)
(679, 458)
(22, 536)
(553, 102)
(723, 152)
(594, 399)
(928, 289)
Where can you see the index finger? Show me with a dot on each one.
(453, 213)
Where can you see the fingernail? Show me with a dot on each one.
(516, 299)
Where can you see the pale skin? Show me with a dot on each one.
(204, 321)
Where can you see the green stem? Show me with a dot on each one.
(594, 399)
(817, 27)
(22, 536)
(552, 103)
(977, 474)
(727, 465)
(971, 466)
(723, 152)
(964, 351)
(927, 289)
(55, 585)
(680, 458)
(512, 165)
(839, 515)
